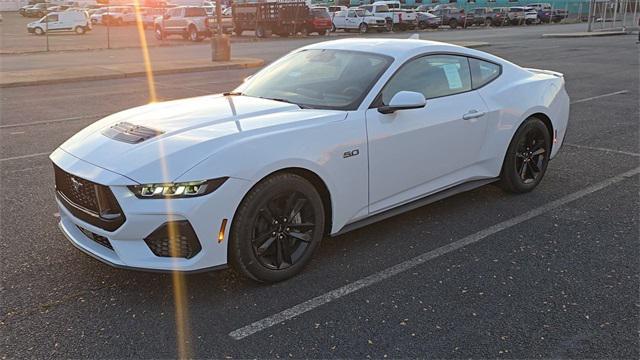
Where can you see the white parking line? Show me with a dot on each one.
(52, 121)
(602, 149)
(25, 156)
(600, 96)
(330, 296)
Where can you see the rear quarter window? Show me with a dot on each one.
(483, 72)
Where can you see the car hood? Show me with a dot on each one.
(182, 133)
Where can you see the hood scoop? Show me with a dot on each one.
(130, 133)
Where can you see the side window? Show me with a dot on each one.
(52, 18)
(433, 75)
(483, 72)
(351, 13)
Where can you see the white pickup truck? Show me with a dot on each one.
(358, 19)
(396, 17)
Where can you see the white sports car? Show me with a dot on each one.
(330, 137)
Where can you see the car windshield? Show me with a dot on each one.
(382, 8)
(194, 12)
(319, 78)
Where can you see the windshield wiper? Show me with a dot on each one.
(286, 101)
(232, 93)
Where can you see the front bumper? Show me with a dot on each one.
(127, 247)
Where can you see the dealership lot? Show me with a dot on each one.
(561, 281)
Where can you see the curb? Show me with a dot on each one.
(585, 34)
(115, 72)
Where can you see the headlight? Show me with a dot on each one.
(176, 190)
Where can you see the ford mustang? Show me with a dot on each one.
(331, 137)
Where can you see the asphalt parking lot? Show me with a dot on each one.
(550, 274)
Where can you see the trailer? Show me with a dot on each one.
(282, 18)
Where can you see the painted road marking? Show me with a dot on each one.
(602, 149)
(75, 118)
(600, 96)
(330, 296)
(25, 156)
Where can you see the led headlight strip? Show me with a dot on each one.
(176, 190)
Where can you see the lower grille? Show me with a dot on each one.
(174, 239)
(97, 238)
(88, 201)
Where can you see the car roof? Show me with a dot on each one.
(396, 48)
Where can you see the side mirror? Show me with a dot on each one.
(404, 100)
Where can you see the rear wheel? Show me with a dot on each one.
(193, 34)
(453, 23)
(276, 229)
(261, 32)
(527, 157)
(79, 30)
(333, 28)
(322, 32)
(363, 28)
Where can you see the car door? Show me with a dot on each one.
(351, 22)
(54, 23)
(416, 152)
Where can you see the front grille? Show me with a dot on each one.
(97, 238)
(380, 21)
(174, 239)
(88, 201)
(79, 191)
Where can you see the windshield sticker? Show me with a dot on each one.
(453, 76)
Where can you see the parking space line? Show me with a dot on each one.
(600, 96)
(25, 156)
(335, 294)
(603, 149)
(75, 118)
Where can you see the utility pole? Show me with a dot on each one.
(592, 4)
(46, 22)
(220, 43)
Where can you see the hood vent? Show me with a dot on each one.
(130, 133)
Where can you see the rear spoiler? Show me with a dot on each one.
(546, 72)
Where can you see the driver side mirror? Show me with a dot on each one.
(404, 100)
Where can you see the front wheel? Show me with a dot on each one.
(453, 23)
(193, 34)
(276, 229)
(79, 30)
(527, 157)
(363, 28)
(159, 33)
(38, 31)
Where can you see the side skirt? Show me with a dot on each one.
(464, 187)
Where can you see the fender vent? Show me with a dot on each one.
(129, 133)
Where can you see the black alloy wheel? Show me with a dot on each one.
(527, 157)
(276, 228)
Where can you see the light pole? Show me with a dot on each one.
(220, 43)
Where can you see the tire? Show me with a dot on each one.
(193, 34)
(159, 34)
(38, 31)
(528, 21)
(79, 30)
(488, 21)
(333, 27)
(363, 28)
(322, 32)
(422, 25)
(453, 23)
(237, 30)
(263, 242)
(527, 157)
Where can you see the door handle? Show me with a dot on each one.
(473, 114)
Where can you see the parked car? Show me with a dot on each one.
(149, 16)
(488, 16)
(38, 10)
(530, 15)
(558, 15)
(319, 21)
(119, 15)
(452, 16)
(190, 22)
(428, 20)
(325, 140)
(358, 19)
(403, 19)
(23, 10)
(76, 21)
(336, 8)
(382, 10)
(544, 11)
(267, 18)
(515, 15)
